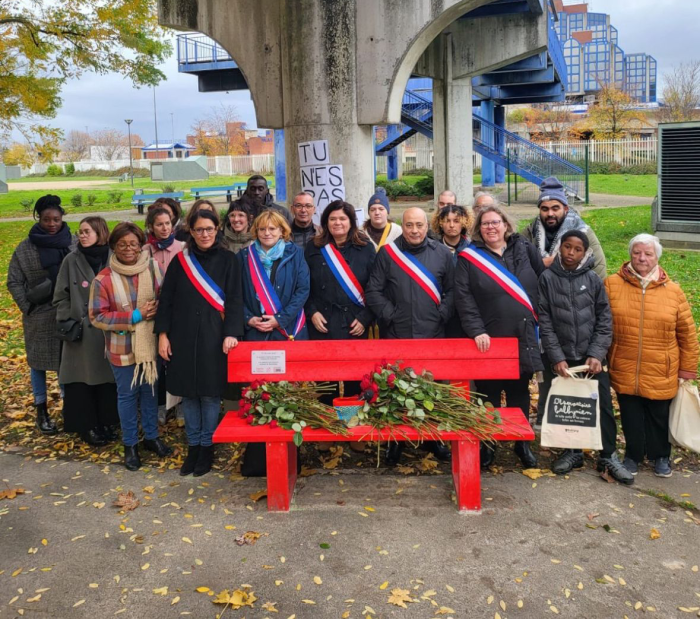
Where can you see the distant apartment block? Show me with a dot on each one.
(594, 58)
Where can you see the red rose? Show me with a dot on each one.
(385, 363)
(375, 397)
(242, 413)
(273, 423)
(391, 379)
(366, 382)
(265, 396)
(250, 419)
(378, 369)
(374, 387)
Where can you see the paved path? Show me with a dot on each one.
(58, 185)
(576, 547)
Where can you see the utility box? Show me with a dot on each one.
(676, 210)
(189, 169)
(3, 178)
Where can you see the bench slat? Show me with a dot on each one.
(233, 429)
(449, 359)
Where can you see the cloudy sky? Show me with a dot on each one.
(665, 29)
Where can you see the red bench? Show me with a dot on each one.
(455, 359)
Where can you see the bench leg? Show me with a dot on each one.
(140, 209)
(281, 475)
(466, 475)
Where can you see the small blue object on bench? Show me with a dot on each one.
(227, 190)
(140, 200)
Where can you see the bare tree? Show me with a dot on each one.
(220, 132)
(681, 93)
(110, 144)
(76, 146)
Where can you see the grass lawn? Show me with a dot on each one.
(624, 184)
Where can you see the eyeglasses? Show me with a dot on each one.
(124, 246)
(204, 231)
(302, 207)
(491, 224)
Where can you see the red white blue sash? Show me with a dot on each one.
(267, 295)
(200, 279)
(502, 276)
(342, 272)
(417, 271)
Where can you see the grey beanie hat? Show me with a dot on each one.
(552, 189)
(379, 197)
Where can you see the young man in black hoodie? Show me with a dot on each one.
(576, 329)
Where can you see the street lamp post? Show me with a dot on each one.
(128, 122)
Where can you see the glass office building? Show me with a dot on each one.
(594, 57)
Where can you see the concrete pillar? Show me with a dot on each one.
(488, 168)
(280, 167)
(392, 157)
(320, 92)
(499, 115)
(452, 132)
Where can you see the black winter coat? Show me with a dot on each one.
(484, 307)
(330, 299)
(197, 366)
(400, 303)
(454, 326)
(575, 316)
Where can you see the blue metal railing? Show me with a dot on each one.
(525, 158)
(417, 110)
(199, 48)
(556, 53)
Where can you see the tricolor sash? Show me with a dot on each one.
(342, 272)
(267, 295)
(416, 271)
(502, 276)
(200, 279)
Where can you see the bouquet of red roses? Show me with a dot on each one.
(396, 396)
(292, 406)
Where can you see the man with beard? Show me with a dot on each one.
(410, 290)
(546, 232)
(261, 198)
(554, 220)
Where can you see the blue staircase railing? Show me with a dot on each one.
(525, 158)
(199, 48)
(507, 149)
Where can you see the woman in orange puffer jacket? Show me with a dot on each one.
(655, 343)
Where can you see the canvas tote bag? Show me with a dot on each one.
(684, 420)
(572, 413)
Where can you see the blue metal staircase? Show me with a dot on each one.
(504, 148)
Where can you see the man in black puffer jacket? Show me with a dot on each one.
(576, 329)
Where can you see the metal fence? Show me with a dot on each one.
(626, 153)
(223, 166)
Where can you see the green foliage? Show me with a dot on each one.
(114, 197)
(612, 167)
(43, 44)
(54, 170)
(91, 198)
(394, 189)
(426, 185)
(77, 199)
(168, 189)
(419, 172)
(27, 205)
(70, 169)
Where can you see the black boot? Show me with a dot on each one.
(94, 438)
(190, 461)
(43, 421)
(393, 453)
(204, 461)
(131, 458)
(439, 450)
(158, 446)
(523, 451)
(110, 433)
(487, 454)
(568, 460)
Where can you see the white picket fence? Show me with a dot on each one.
(417, 153)
(623, 152)
(224, 166)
